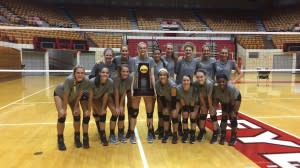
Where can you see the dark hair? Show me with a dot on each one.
(201, 70)
(109, 49)
(221, 76)
(189, 44)
(75, 69)
(121, 67)
(124, 45)
(174, 57)
(191, 79)
(97, 78)
(204, 46)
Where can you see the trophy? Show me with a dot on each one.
(144, 87)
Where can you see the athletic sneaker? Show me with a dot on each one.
(201, 135)
(127, 134)
(104, 141)
(150, 137)
(192, 137)
(77, 142)
(223, 137)
(60, 143)
(214, 137)
(175, 138)
(122, 138)
(161, 135)
(232, 141)
(113, 139)
(85, 141)
(158, 130)
(132, 139)
(165, 138)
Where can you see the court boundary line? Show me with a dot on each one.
(37, 92)
(270, 125)
(141, 149)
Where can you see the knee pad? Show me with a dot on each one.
(213, 118)
(135, 113)
(129, 109)
(202, 116)
(185, 120)
(185, 108)
(160, 115)
(174, 120)
(113, 118)
(95, 115)
(149, 115)
(102, 118)
(76, 118)
(193, 121)
(61, 120)
(166, 118)
(121, 117)
(233, 122)
(190, 108)
(86, 120)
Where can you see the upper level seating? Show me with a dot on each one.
(100, 17)
(33, 13)
(229, 21)
(279, 40)
(281, 19)
(151, 18)
(105, 41)
(251, 42)
(26, 36)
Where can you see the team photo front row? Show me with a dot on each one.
(185, 89)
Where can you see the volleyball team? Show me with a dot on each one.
(186, 89)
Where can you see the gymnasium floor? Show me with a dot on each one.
(28, 129)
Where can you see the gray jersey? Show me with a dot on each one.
(71, 88)
(186, 67)
(119, 60)
(225, 68)
(135, 64)
(187, 96)
(228, 95)
(165, 90)
(97, 68)
(170, 66)
(208, 67)
(205, 90)
(122, 85)
(157, 67)
(101, 89)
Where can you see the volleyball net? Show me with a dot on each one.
(27, 51)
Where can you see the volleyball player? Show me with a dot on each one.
(225, 66)
(142, 58)
(159, 63)
(230, 99)
(185, 94)
(100, 88)
(122, 83)
(207, 63)
(108, 62)
(204, 88)
(166, 93)
(171, 59)
(187, 66)
(70, 92)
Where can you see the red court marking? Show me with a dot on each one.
(265, 145)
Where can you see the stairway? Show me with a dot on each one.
(133, 19)
(259, 24)
(198, 16)
(268, 42)
(69, 17)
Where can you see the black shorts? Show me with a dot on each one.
(227, 107)
(55, 94)
(239, 98)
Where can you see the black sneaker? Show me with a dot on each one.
(165, 138)
(128, 134)
(232, 141)
(104, 141)
(192, 137)
(85, 141)
(161, 135)
(185, 136)
(77, 142)
(201, 135)
(158, 131)
(223, 137)
(214, 137)
(175, 138)
(60, 143)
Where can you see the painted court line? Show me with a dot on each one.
(31, 124)
(3, 107)
(141, 149)
(277, 117)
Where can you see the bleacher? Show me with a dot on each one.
(100, 17)
(105, 41)
(279, 40)
(251, 42)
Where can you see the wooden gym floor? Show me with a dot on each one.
(28, 129)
